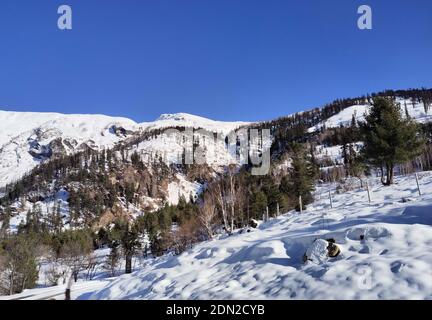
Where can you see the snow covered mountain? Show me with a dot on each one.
(28, 139)
(192, 121)
(134, 172)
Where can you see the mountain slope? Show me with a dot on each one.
(392, 262)
(27, 139)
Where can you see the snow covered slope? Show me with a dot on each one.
(393, 261)
(26, 139)
(344, 118)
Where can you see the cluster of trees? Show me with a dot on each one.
(389, 140)
(294, 128)
(23, 253)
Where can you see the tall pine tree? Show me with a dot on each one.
(388, 138)
(302, 177)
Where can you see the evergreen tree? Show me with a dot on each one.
(271, 190)
(19, 270)
(302, 177)
(126, 236)
(259, 204)
(388, 138)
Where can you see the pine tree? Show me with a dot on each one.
(271, 190)
(302, 177)
(126, 236)
(388, 138)
(259, 204)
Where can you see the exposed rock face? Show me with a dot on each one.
(40, 152)
(57, 147)
(120, 131)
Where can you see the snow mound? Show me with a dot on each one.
(263, 252)
(317, 252)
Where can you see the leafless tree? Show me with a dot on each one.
(218, 193)
(207, 214)
(75, 258)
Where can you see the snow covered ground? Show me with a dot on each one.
(344, 118)
(393, 261)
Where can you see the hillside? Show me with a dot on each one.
(28, 139)
(392, 262)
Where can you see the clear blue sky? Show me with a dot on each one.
(223, 59)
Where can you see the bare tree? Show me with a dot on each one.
(229, 194)
(75, 258)
(235, 195)
(207, 214)
(218, 194)
(112, 261)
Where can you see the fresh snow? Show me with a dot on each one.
(393, 261)
(169, 147)
(182, 188)
(334, 153)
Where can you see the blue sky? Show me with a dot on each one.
(223, 59)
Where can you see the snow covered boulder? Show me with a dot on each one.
(320, 250)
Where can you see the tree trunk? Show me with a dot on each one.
(382, 176)
(128, 263)
(389, 175)
(225, 219)
(11, 283)
(232, 218)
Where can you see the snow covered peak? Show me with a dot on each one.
(27, 138)
(178, 116)
(192, 121)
